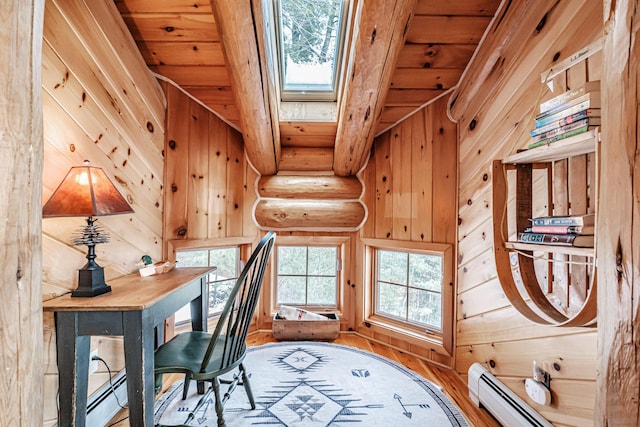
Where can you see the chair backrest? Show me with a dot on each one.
(233, 325)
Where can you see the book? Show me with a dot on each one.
(565, 135)
(585, 219)
(576, 240)
(569, 111)
(562, 229)
(569, 95)
(593, 98)
(589, 121)
(592, 114)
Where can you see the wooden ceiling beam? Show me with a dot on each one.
(380, 34)
(247, 72)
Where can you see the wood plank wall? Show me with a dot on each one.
(410, 192)
(210, 184)
(94, 111)
(492, 124)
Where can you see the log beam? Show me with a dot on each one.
(247, 73)
(497, 54)
(21, 149)
(309, 187)
(381, 32)
(618, 229)
(309, 215)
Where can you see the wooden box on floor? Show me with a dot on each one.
(291, 330)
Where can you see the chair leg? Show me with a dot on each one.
(187, 381)
(247, 386)
(215, 384)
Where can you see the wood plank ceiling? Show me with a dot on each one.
(179, 40)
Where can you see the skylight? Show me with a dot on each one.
(309, 36)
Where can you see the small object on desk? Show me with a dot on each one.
(160, 267)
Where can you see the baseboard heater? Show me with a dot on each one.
(486, 391)
(103, 405)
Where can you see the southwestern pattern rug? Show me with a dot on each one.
(320, 384)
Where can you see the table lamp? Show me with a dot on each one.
(87, 191)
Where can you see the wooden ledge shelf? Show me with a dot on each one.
(566, 250)
(583, 143)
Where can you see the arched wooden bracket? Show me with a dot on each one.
(515, 267)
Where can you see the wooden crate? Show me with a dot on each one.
(291, 330)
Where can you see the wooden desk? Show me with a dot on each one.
(134, 307)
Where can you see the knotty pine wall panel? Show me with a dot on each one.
(210, 185)
(410, 192)
(493, 124)
(101, 104)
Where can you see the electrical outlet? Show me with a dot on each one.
(93, 364)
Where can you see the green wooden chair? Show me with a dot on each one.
(203, 356)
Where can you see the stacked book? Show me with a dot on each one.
(573, 230)
(570, 113)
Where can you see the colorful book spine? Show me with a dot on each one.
(592, 97)
(591, 114)
(563, 129)
(565, 135)
(562, 229)
(586, 105)
(574, 220)
(557, 239)
(569, 95)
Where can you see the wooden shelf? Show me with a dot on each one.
(566, 250)
(583, 143)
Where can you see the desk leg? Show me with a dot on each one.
(73, 369)
(138, 357)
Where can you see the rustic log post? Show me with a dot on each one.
(247, 71)
(21, 150)
(618, 380)
(381, 33)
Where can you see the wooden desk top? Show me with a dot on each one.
(131, 292)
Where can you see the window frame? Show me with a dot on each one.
(244, 245)
(441, 340)
(307, 93)
(342, 246)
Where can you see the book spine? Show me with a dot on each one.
(565, 135)
(592, 97)
(561, 99)
(558, 229)
(593, 86)
(561, 122)
(549, 239)
(585, 105)
(564, 221)
(559, 131)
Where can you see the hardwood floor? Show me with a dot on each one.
(450, 382)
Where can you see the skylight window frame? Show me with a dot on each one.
(307, 93)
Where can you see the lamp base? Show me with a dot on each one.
(91, 282)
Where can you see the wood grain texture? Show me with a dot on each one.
(300, 214)
(21, 339)
(618, 384)
(306, 187)
(493, 122)
(99, 103)
(381, 34)
(247, 76)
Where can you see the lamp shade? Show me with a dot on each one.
(86, 191)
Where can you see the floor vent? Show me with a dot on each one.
(486, 391)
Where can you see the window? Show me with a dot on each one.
(227, 263)
(307, 275)
(409, 291)
(408, 287)
(309, 35)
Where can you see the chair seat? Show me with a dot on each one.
(184, 353)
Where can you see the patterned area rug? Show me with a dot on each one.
(320, 384)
